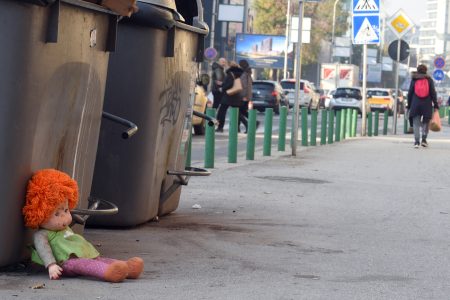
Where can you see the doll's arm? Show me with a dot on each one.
(45, 253)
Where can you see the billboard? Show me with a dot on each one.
(263, 51)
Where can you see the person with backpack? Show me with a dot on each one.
(421, 100)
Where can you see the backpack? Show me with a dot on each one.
(421, 88)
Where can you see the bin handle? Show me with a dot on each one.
(211, 121)
(93, 211)
(132, 128)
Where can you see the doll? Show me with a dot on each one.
(51, 194)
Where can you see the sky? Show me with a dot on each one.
(414, 9)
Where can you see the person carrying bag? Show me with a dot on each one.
(421, 101)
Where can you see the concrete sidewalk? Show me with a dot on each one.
(367, 218)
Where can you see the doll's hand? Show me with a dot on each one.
(54, 271)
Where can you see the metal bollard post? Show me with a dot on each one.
(282, 129)
(370, 124)
(331, 126)
(405, 124)
(338, 125)
(323, 127)
(377, 125)
(348, 123)
(251, 134)
(304, 126)
(314, 127)
(210, 140)
(268, 119)
(189, 152)
(343, 119)
(233, 135)
(386, 119)
(354, 122)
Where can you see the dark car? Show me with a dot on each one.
(268, 94)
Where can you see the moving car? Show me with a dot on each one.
(308, 96)
(380, 99)
(348, 97)
(268, 94)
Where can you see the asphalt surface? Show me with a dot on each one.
(366, 218)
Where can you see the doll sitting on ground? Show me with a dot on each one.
(50, 196)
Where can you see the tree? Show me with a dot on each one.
(270, 18)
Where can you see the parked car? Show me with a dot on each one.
(200, 103)
(381, 99)
(308, 97)
(348, 97)
(268, 94)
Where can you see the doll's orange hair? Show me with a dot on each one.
(46, 190)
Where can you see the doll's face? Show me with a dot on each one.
(59, 219)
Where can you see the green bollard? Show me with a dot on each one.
(338, 125)
(343, 119)
(304, 120)
(314, 127)
(405, 124)
(377, 125)
(385, 125)
(330, 126)
(233, 135)
(348, 122)
(448, 108)
(441, 112)
(268, 119)
(282, 129)
(210, 140)
(189, 152)
(323, 127)
(370, 124)
(354, 122)
(251, 134)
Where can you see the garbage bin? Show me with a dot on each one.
(151, 80)
(54, 62)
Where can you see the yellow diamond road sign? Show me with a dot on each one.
(400, 23)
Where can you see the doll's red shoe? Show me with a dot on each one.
(135, 267)
(116, 271)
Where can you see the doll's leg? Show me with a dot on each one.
(115, 271)
(135, 265)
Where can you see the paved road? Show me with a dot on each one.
(367, 218)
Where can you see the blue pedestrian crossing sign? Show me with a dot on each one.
(366, 22)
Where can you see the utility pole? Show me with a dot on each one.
(297, 77)
(333, 30)
(288, 37)
(244, 30)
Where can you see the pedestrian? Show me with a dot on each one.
(448, 101)
(421, 100)
(217, 77)
(247, 92)
(234, 100)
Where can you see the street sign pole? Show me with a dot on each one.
(364, 92)
(288, 37)
(297, 78)
(394, 123)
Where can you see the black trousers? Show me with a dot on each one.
(223, 112)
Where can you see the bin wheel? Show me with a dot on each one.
(80, 215)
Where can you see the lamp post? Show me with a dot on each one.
(288, 36)
(333, 30)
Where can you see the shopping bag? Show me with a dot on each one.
(435, 123)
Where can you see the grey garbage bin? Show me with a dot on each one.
(54, 62)
(151, 81)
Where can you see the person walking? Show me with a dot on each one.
(421, 100)
(234, 100)
(247, 92)
(217, 77)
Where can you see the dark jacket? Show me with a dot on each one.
(218, 74)
(422, 106)
(231, 100)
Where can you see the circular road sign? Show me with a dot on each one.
(210, 53)
(438, 75)
(404, 50)
(439, 62)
